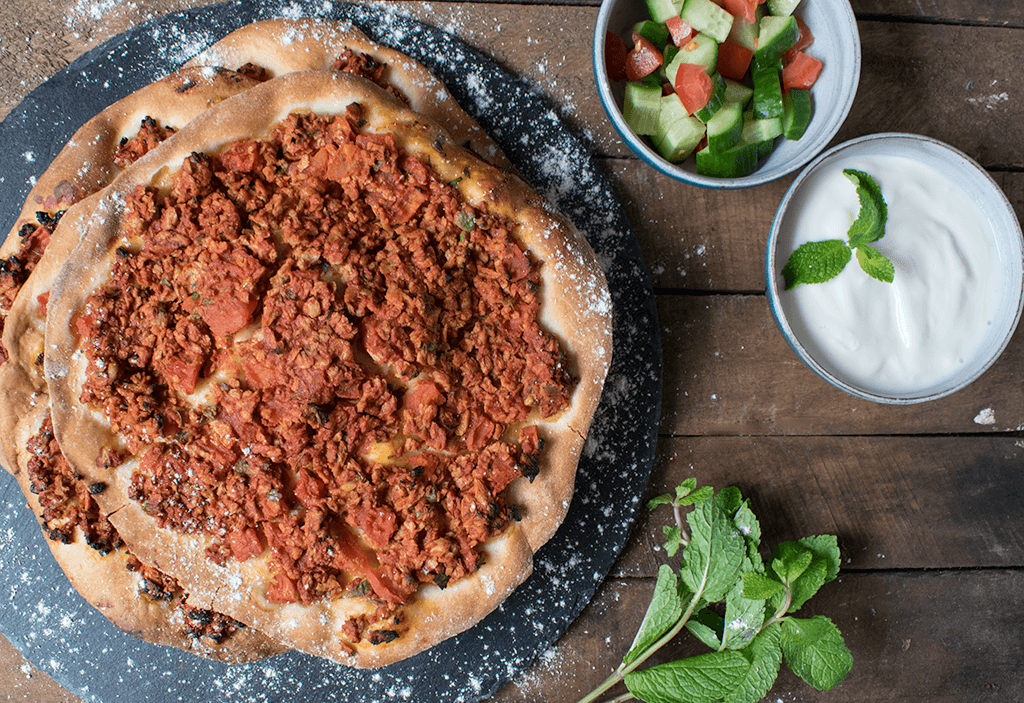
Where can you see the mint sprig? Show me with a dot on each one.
(817, 262)
(722, 571)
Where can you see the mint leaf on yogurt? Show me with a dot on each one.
(870, 223)
(816, 262)
(875, 264)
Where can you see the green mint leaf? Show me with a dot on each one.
(815, 651)
(824, 567)
(746, 523)
(714, 557)
(706, 678)
(706, 625)
(664, 611)
(805, 585)
(686, 487)
(765, 658)
(875, 264)
(789, 560)
(826, 548)
(760, 586)
(673, 539)
(698, 496)
(816, 262)
(663, 499)
(870, 223)
(743, 618)
(729, 501)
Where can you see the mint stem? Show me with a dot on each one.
(620, 672)
(781, 610)
(684, 536)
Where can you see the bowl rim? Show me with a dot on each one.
(655, 161)
(961, 160)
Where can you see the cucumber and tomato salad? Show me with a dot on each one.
(720, 79)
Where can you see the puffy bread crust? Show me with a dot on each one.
(575, 307)
(287, 45)
(107, 584)
(22, 385)
(84, 166)
(86, 163)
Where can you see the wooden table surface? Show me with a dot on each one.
(926, 500)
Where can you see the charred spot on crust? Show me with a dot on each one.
(186, 86)
(49, 220)
(531, 469)
(382, 636)
(200, 615)
(97, 488)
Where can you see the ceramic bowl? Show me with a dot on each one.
(990, 256)
(836, 44)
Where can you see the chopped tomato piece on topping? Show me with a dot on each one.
(282, 590)
(693, 86)
(615, 52)
(802, 72)
(643, 60)
(245, 544)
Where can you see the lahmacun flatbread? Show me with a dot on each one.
(138, 599)
(276, 47)
(96, 153)
(344, 347)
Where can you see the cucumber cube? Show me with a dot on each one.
(782, 8)
(661, 10)
(708, 18)
(767, 92)
(702, 50)
(716, 100)
(744, 33)
(726, 128)
(678, 133)
(762, 134)
(737, 92)
(741, 160)
(797, 114)
(656, 32)
(641, 106)
(776, 36)
(667, 56)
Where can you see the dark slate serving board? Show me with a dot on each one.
(65, 637)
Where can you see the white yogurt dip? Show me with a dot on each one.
(914, 335)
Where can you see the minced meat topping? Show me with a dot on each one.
(150, 135)
(317, 348)
(68, 503)
(14, 270)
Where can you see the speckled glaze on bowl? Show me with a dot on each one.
(836, 44)
(979, 187)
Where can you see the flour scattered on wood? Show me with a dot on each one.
(986, 417)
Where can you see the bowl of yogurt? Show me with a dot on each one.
(957, 271)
